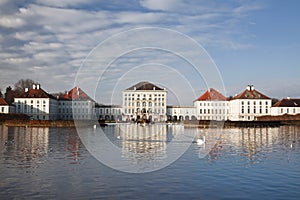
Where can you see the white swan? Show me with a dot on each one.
(95, 126)
(118, 137)
(201, 141)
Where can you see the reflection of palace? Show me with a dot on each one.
(32, 142)
(255, 140)
(149, 139)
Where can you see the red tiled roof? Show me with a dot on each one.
(36, 93)
(76, 94)
(288, 103)
(212, 95)
(250, 94)
(3, 102)
(144, 86)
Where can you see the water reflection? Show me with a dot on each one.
(255, 143)
(48, 163)
(141, 148)
(28, 143)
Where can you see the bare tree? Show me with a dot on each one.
(22, 84)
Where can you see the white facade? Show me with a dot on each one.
(37, 108)
(286, 106)
(79, 110)
(180, 113)
(212, 110)
(111, 113)
(145, 101)
(212, 105)
(5, 107)
(249, 105)
(275, 111)
(249, 109)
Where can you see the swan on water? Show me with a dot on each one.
(95, 126)
(201, 141)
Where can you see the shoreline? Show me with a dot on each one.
(265, 121)
(199, 124)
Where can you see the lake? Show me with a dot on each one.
(243, 163)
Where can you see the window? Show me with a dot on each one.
(200, 111)
(2, 109)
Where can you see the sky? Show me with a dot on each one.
(242, 42)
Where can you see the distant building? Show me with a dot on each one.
(109, 112)
(5, 107)
(76, 104)
(212, 105)
(180, 113)
(286, 106)
(37, 103)
(145, 101)
(248, 105)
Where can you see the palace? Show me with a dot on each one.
(148, 101)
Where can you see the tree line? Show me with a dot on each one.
(18, 89)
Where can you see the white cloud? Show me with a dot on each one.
(11, 22)
(64, 3)
(55, 34)
(165, 5)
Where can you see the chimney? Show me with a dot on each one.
(33, 86)
(38, 86)
(250, 87)
(26, 89)
(134, 88)
(288, 98)
(153, 88)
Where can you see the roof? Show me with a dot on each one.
(76, 94)
(212, 95)
(3, 102)
(288, 102)
(144, 86)
(36, 93)
(250, 93)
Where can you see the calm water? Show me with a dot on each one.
(52, 163)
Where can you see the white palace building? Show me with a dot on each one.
(148, 101)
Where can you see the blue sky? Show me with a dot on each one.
(251, 42)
